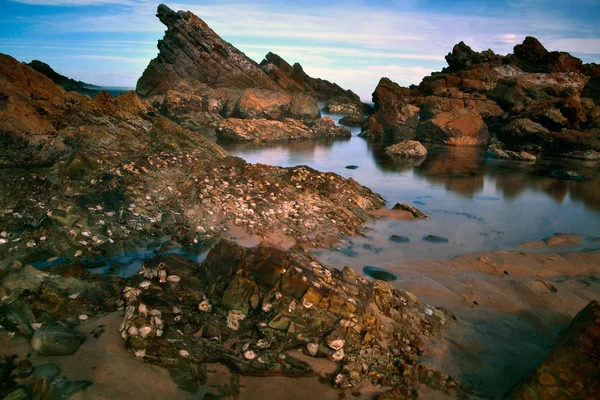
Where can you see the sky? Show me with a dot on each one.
(353, 43)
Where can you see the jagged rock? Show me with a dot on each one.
(56, 341)
(457, 128)
(353, 120)
(552, 89)
(66, 83)
(532, 56)
(191, 51)
(501, 154)
(408, 149)
(261, 130)
(571, 368)
(282, 300)
(293, 79)
(463, 57)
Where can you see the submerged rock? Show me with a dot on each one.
(408, 149)
(587, 155)
(56, 341)
(567, 175)
(379, 274)
(510, 155)
(399, 239)
(435, 239)
(282, 300)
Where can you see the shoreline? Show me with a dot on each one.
(492, 345)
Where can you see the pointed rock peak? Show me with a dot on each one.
(166, 15)
(531, 48)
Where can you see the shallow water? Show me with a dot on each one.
(478, 204)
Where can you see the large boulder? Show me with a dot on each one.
(408, 149)
(571, 369)
(457, 128)
(532, 56)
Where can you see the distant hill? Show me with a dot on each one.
(66, 83)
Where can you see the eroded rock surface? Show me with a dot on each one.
(533, 100)
(249, 308)
(261, 130)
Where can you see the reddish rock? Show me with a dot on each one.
(461, 127)
(532, 56)
(571, 369)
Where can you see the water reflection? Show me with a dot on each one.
(478, 203)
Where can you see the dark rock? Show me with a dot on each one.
(56, 341)
(350, 107)
(587, 155)
(532, 56)
(567, 175)
(435, 239)
(405, 207)
(353, 120)
(48, 371)
(378, 273)
(351, 166)
(571, 368)
(66, 83)
(399, 239)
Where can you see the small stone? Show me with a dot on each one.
(56, 341)
(205, 306)
(48, 371)
(249, 355)
(173, 278)
(312, 348)
(83, 317)
(379, 273)
(338, 355)
(145, 331)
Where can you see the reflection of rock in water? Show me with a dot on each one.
(460, 169)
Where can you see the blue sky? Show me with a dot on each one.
(354, 43)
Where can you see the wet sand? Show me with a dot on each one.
(510, 307)
(524, 299)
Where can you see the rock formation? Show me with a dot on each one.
(571, 369)
(198, 78)
(532, 100)
(261, 130)
(264, 302)
(114, 177)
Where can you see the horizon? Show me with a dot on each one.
(110, 42)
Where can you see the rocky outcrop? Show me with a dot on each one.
(113, 177)
(198, 78)
(532, 100)
(192, 52)
(264, 302)
(408, 149)
(66, 83)
(571, 369)
(293, 79)
(261, 130)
